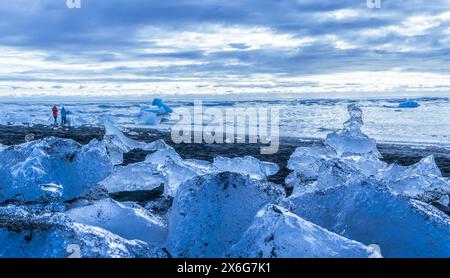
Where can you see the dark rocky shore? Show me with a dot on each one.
(402, 154)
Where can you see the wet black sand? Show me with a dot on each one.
(402, 154)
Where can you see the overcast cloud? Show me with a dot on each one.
(116, 47)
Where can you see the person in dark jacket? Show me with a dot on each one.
(63, 116)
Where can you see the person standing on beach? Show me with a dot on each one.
(63, 116)
(55, 114)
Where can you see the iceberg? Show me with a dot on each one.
(26, 233)
(211, 213)
(127, 222)
(26, 168)
(163, 108)
(350, 139)
(246, 165)
(278, 233)
(369, 212)
(408, 104)
(154, 114)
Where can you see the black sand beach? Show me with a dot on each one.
(402, 154)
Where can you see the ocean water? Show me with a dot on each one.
(385, 121)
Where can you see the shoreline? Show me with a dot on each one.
(402, 154)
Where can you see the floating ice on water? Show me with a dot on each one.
(163, 108)
(134, 177)
(408, 104)
(278, 233)
(246, 165)
(153, 115)
(25, 168)
(211, 213)
(149, 118)
(27, 233)
(129, 223)
(369, 212)
(351, 140)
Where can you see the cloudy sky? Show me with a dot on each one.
(138, 47)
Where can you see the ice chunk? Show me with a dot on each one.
(422, 180)
(26, 233)
(369, 164)
(332, 171)
(161, 157)
(306, 161)
(278, 233)
(175, 170)
(367, 211)
(117, 143)
(246, 165)
(351, 139)
(129, 223)
(2, 147)
(25, 168)
(211, 213)
(127, 144)
(134, 177)
(426, 166)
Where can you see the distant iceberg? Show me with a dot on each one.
(152, 115)
(408, 104)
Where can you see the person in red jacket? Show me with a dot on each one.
(55, 114)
